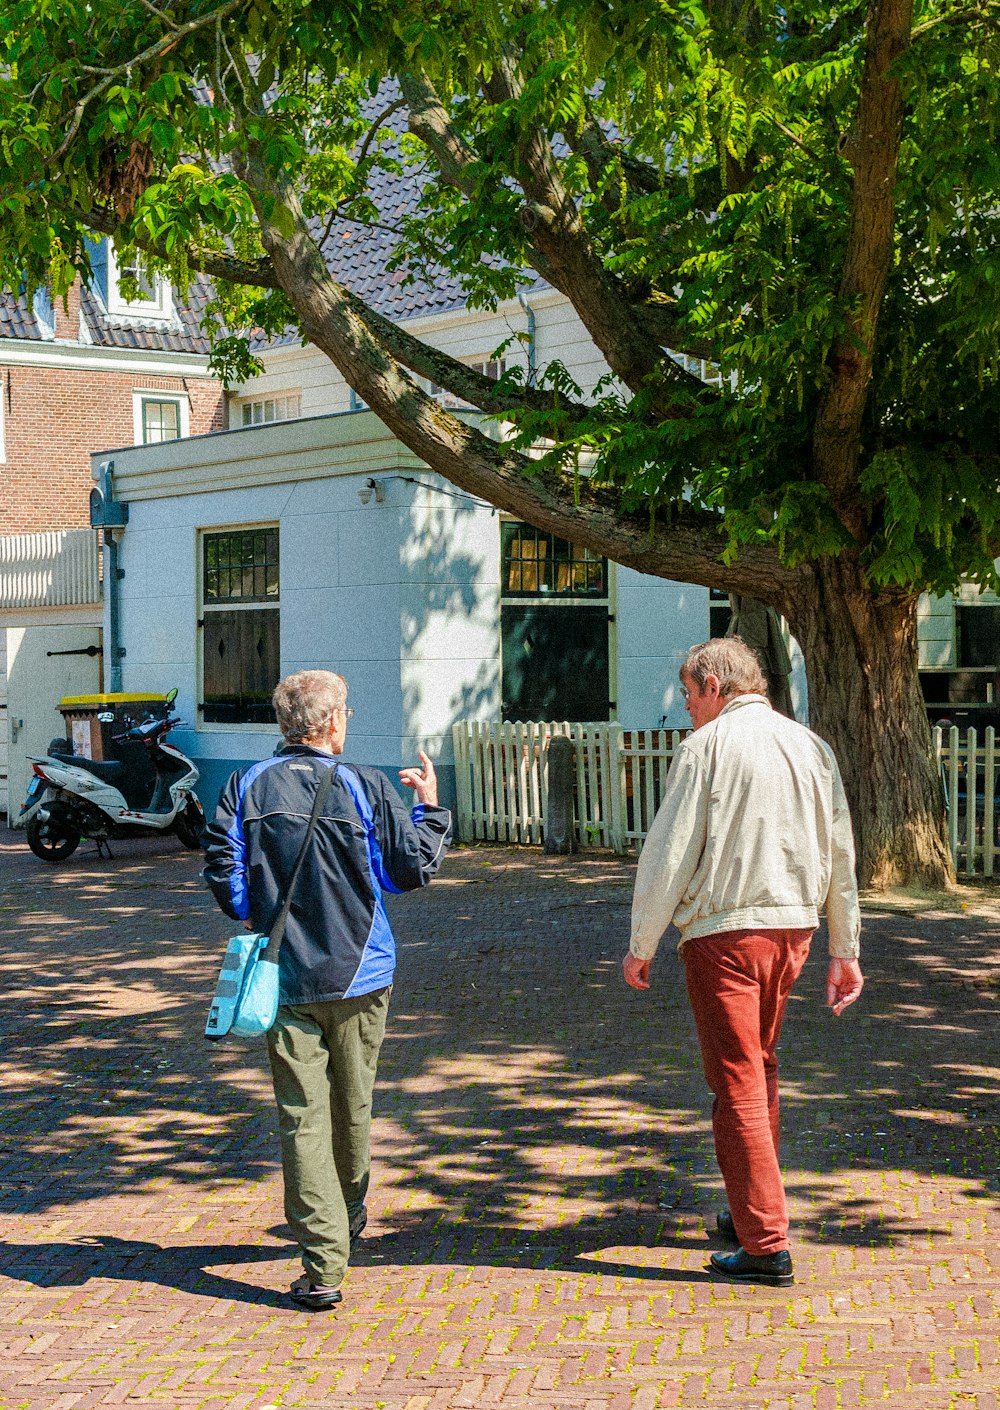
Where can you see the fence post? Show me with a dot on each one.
(617, 799)
(463, 791)
(560, 834)
(480, 760)
(953, 792)
(971, 799)
(536, 746)
(989, 800)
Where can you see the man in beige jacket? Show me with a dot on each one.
(752, 840)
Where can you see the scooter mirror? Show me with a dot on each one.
(171, 696)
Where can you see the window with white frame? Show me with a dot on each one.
(699, 367)
(135, 293)
(491, 367)
(555, 659)
(159, 416)
(261, 410)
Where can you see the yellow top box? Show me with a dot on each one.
(84, 702)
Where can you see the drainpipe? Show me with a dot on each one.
(112, 577)
(111, 515)
(529, 313)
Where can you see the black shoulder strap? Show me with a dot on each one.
(278, 928)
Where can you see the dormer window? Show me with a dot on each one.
(144, 296)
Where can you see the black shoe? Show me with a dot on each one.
(774, 1270)
(724, 1224)
(303, 1294)
(357, 1225)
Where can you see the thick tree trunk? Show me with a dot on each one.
(864, 698)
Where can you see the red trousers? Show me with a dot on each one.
(739, 983)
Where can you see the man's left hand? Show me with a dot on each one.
(844, 982)
(636, 971)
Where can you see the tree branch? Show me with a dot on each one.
(413, 353)
(586, 284)
(662, 323)
(169, 41)
(429, 120)
(555, 226)
(257, 274)
(373, 129)
(802, 146)
(161, 15)
(981, 13)
(688, 549)
(872, 149)
(589, 141)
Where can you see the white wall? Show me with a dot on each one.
(449, 623)
(936, 630)
(339, 602)
(657, 621)
(399, 593)
(468, 335)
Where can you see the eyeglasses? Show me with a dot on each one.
(347, 711)
(685, 693)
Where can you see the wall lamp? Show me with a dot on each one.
(371, 487)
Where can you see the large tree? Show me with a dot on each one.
(805, 196)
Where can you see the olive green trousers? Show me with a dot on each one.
(323, 1063)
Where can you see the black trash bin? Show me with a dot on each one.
(94, 721)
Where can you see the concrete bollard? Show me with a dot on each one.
(560, 834)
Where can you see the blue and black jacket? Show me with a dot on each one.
(338, 943)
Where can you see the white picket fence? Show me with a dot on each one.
(502, 784)
(969, 772)
(502, 780)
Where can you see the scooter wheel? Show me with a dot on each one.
(190, 827)
(52, 840)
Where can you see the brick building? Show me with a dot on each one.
(117, 364)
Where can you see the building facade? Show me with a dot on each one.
(101, 368)
(322, 542)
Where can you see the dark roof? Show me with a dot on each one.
(358, 255)
(15, 320)
(180, 334)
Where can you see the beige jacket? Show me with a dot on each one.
(753, 832)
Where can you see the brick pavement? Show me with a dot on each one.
(543, 1175)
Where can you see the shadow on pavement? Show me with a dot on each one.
(186, 1268)
(531, 1109)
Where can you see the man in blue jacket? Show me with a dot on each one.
(338, 954)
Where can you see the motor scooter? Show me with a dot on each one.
(71, 797)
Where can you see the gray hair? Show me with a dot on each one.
(304, 703)
(736, 665)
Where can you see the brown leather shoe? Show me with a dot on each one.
(773, 1270)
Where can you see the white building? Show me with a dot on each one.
(323, 542)
(307, 536)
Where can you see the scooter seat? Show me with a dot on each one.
(109, 772)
